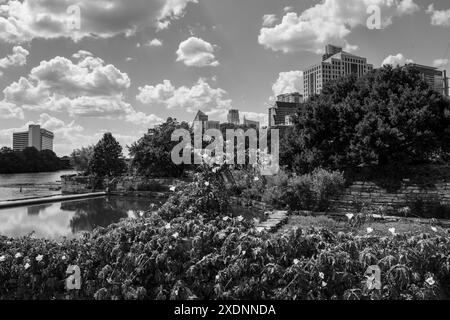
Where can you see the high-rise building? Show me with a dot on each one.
(203, 119)
(335, 64)
(290, 97)
(41, 139)
(435, 78)
(233, 117)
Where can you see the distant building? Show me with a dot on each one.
(202, 118)
(251, 123)
(435, 78)
(335, 64)
(281, 113)
(233, 117)
(41, 139)
(290, 97)
(212, 125)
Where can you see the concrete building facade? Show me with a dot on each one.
(335, 63)
(233, 117)
(36, 137)
(435, 78)
(290, 97)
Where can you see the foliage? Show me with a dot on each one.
(107, 159)
(151, 186)
(29, 160)
(82, 157)
(152, 153)
(389, 116)
(304, 192)
(198, 258)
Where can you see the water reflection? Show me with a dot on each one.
(69, 218)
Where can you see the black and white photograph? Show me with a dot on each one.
(220, 157)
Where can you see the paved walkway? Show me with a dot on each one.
(35, 201)
(275, 221)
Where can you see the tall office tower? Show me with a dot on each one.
(290, 97)
(435, 78)
(233, 117)
(335, 64)
(41, 139)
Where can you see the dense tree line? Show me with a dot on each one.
(388, 117)
(28, 161)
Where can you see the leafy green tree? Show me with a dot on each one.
(152, 153)
(81, 158)
(388, 117)
(107, 159)
(28, 160)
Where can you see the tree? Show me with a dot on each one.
(107, 159)
(390, 116)
(81, 158)
(152, 153)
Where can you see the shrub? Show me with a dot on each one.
(313, 191)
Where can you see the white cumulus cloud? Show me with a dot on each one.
(439, 17)
(154, 43)
(396, 60)
(87, 87)
(26, 20)
(16, 59)
(329, 21)
(201, 96)
(196, 52)
(288, 82)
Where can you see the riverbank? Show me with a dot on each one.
(28, 185)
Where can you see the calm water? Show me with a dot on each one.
(67, 219)
(32, 184)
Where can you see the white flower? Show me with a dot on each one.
(349, 216)
(173, 188)
(168, 226)
(27, 265)
(430, 281)
(256, 179)
(175, 235)
(215, 169)
(244, 252)
(392, 230)
(321, 275)
(39, 258)
(434, 229)
(2, 258)
(225, 218)
(259, 229)
(207, 183)
(324, 284)
(240, 218)
(18, 255)
(296, 261)
(369, 230)
(63, 257)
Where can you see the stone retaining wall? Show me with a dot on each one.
(74, 184)
(368, 194)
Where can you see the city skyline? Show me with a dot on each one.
(192, 55)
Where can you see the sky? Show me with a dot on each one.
(84, 67)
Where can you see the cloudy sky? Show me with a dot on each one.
(83, 67)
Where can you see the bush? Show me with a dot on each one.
(313, 191)
(200, 258)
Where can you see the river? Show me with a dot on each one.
(25, 185)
